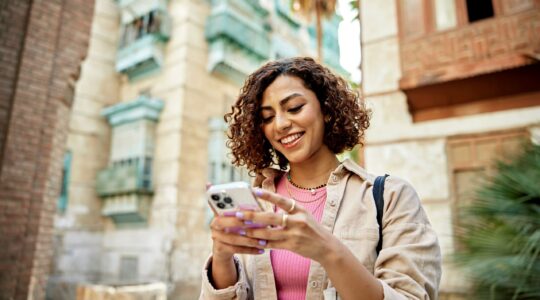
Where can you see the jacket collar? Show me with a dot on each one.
(267, 178)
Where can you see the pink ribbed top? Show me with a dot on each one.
(291, 270)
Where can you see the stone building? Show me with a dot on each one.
(453, 85)
(146, 133)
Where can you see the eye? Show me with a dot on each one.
(296, 108)
(267, 119)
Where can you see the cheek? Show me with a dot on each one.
(318, 132)
(267, 132)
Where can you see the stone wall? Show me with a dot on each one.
(44, 43)
(171, 247)
(417, 152)
(204, 96)
(78, 229)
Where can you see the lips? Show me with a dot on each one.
(291, 139)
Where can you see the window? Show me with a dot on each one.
(412, 18)
(420, 17)
(472, 158)
(219, 161)
(140, 27)
(479, 9)
(445, 14)
(221, 169)
(129, 268)
(64, 189)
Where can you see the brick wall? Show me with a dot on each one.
(42, 43)
(13, 17)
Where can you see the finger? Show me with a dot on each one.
(279, 244)
(267, 234)
(239, 239)
(223, 247)
(208, 185)
(226, 223)
(265, 218)
(282, 202)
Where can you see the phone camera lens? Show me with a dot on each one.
(227, 200)
(215, 197)
(221, 205)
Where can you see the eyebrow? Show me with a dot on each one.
(284, 100)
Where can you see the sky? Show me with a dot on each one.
(349, 40)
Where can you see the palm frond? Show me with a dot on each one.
(500, 231)
(308, 8)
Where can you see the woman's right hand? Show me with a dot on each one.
(228, 235)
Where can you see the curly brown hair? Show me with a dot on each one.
(346, 117)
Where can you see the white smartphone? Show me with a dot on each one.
(232, 196)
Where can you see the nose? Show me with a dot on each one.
(282, 122)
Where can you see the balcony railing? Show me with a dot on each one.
(141, 46)
(124, 177)
(238, 36)
(127, 210)
(478, 48)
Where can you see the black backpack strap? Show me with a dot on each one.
(378, 196)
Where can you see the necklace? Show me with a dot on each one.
(312, 190)
(290, 194)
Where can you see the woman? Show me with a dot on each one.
(320, 218)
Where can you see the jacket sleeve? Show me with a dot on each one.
(409, 264)
(239, 291)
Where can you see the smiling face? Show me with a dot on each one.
(293, 121)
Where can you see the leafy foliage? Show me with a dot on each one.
(500, 231)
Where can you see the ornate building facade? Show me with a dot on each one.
(453, 85)
(146, 134)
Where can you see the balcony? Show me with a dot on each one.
(142, 44)
(125, 177)
(238, 38)
(483, 66)
(484, 47)
(127, 210)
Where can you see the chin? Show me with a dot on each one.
(296, 157)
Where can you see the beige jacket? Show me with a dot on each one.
(408, 266)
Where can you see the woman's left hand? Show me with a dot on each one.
(296, 231)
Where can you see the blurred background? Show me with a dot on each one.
(111, 122)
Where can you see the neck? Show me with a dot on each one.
(315, 170)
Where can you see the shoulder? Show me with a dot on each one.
(398, 187)
(402, 203)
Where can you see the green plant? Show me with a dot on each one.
(499, 231)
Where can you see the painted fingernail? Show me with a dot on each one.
(258, 192)
(262, 242)
(248, 222)
(229, 213)
(261, 251)
(239, 215)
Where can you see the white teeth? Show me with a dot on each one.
(290, 138)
